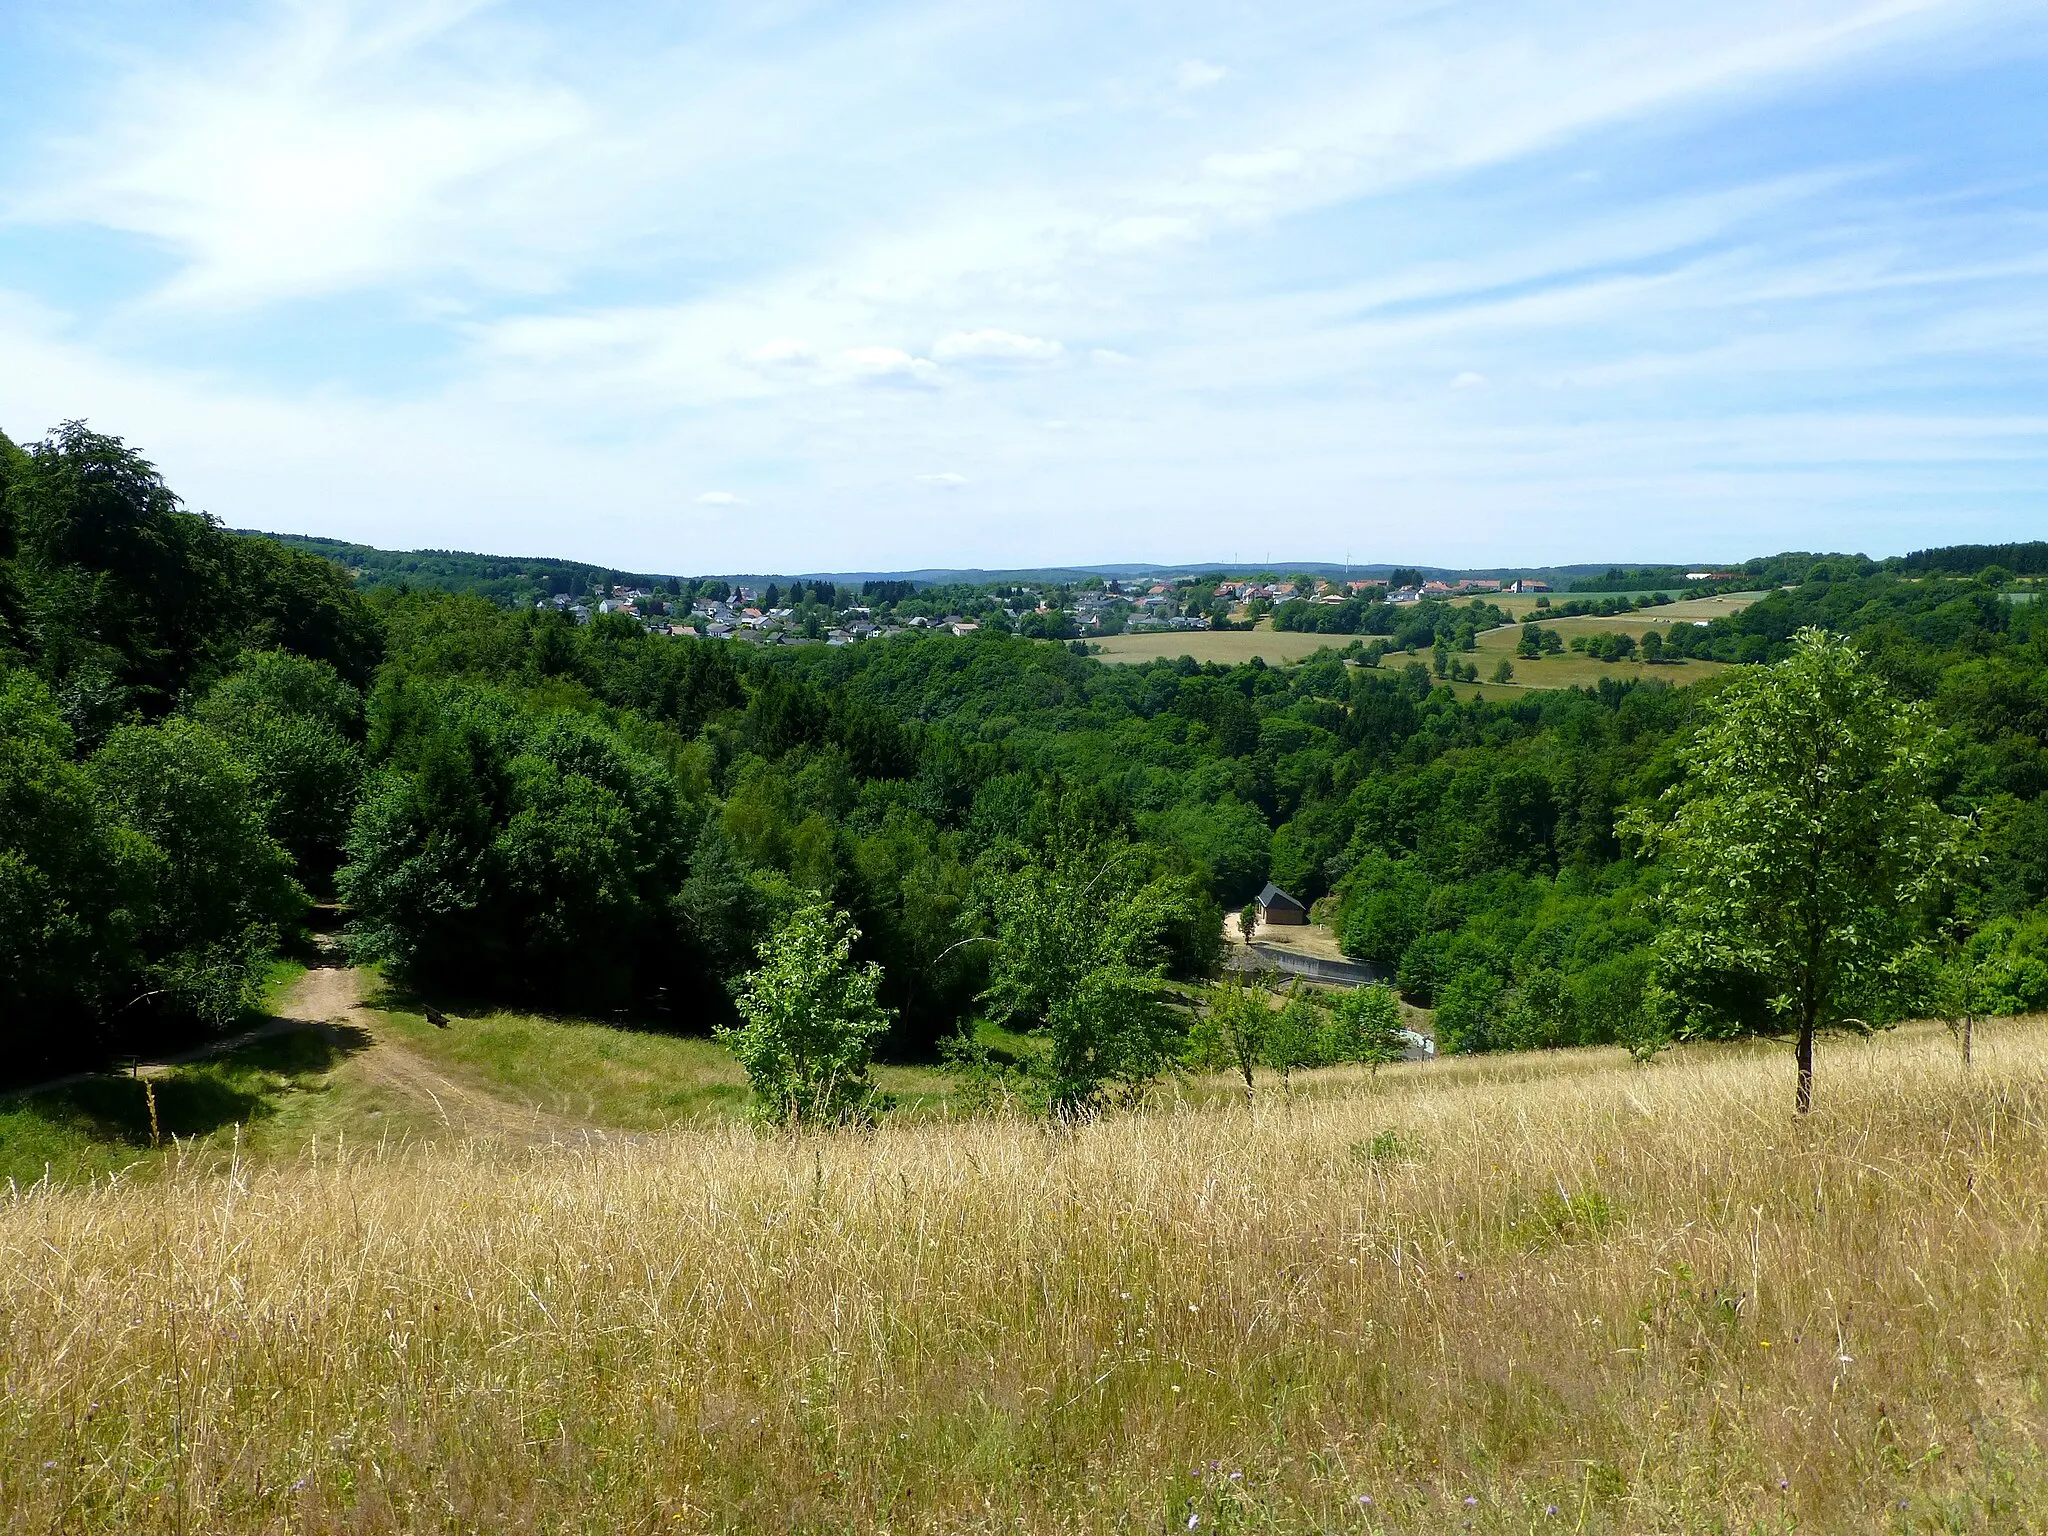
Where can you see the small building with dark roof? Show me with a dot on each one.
(1278, 909)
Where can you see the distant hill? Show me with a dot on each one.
(501, 578)
(1968, 559)
(525, 578)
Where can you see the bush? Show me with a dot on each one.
(1295, 1036)
(2007, 962)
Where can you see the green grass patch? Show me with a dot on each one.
(1556, 1219)
(614, 1076)
(103, 1124)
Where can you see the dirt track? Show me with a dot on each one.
(330, 998)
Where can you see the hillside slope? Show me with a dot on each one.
(1530, 1293)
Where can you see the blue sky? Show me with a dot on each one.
(795, 286)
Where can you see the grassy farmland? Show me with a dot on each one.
(1570, 670)
(1685, 607)
(1231, 647)
(1468, 1292)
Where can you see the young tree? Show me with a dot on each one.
(1804, 847)
(1248, 921)
(1365, 1026)
(811, 1022)
(1239, 1022)
(1295, 1035)
(1080, 952)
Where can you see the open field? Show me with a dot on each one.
(1536, 1293)
(1278, 648)
(1571, 669)
(1230, 646)
(1688, 607)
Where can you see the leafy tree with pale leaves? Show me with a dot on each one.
(811, 1022)
(1236, 1028)
(1294, 1038)
(1805, 850)
(1080, 953)
(1365, 1026)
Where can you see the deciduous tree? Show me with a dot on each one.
(1805, 848)
(1080, 952)
(811, 1022)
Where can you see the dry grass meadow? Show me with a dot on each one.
(1523, 1294)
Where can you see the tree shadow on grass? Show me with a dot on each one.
(648, 1017)
(196, 1098)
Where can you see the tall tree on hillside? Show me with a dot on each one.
(1805, 848)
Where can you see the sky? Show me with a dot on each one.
(792, 286)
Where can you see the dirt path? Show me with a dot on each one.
(331, 998)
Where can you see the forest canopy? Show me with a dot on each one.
(203, 733)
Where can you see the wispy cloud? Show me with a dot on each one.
(995, 346)
(1236, 265)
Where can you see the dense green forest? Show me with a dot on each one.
(502, 579)
(203, 733)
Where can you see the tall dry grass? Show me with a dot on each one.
(1470, 1294)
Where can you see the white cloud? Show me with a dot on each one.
(887, 363)
(1194, 75)
(720, 499)
(945, 480)
(315, 158)
(1143, 230)
(1468, 380)
(783, 352)
(1001, 346)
